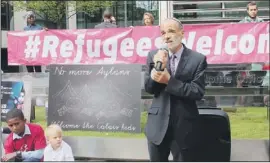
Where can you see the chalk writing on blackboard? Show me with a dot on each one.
(66, 91)
(95, 97)
(99, 126)
(112, 71)
(92, 106)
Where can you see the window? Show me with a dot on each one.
(215, 11)
(49, 24)
(126, 13)
(187, 11)
(86, 21)
(43, 20)
(239, 9)
(6, 16)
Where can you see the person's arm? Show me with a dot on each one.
(39, 145)
(8, 146)
(150, 85)
(193, 90)
(68, 154)
(33, 155)
(46, 155)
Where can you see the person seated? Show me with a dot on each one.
(57, 149)
(26, 142)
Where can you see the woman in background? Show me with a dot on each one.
(148, 19)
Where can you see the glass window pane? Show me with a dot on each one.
(208, 7)
(94, 19)
(129, 11)
(235, 4)
(3, 9)
(6, 15)
(80, 21)
(244, 4)
(3, 22)
(120, 14)
(260, 4)
(236, 14)
(195, 14)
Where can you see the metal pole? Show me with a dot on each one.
(125, 3)
(67, 15)
(2, 152)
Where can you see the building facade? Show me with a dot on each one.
(130, 13)
(193, 12)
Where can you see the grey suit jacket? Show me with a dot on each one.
(182, 92)
(105, 25)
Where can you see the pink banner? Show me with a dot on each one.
(221, 43)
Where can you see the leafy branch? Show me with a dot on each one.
(55, 11)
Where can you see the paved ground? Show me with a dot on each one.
(127, 149)
(136, 149)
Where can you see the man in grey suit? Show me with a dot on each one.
(109, 21)
(172, 124)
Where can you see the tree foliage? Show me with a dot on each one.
(55, 11)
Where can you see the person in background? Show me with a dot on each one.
(31, 25)
(252, 11)
(252, 17)
(148, 19)
(108, 23)
(26, 142)
(57, 149)
(113, 20)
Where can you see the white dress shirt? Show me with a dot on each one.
(63, 153)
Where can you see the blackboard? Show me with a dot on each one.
(95, 97)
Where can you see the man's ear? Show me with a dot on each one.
(24, 120)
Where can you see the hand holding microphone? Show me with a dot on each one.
(159, 73)
(161, 58)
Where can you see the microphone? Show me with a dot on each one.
(159, 63)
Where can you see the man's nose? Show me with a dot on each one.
(167, 37)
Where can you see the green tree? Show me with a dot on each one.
(55, 11)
